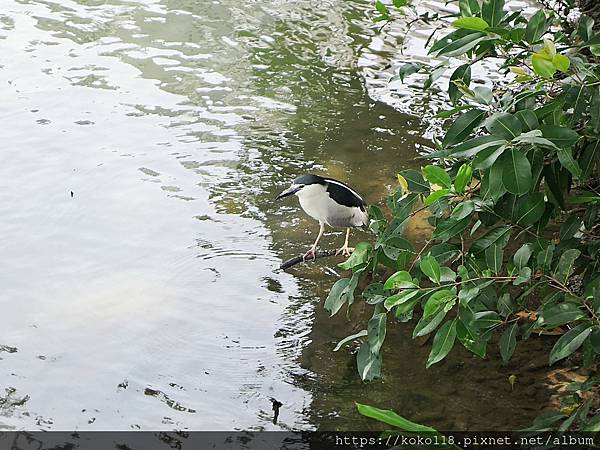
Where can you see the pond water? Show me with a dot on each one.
(143, 143)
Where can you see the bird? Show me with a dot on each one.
(332, 203)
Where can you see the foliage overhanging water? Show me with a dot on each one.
(144, 143)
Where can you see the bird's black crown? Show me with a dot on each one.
(305, 180)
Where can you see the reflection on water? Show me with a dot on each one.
(143, 144)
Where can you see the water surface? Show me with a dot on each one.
(143, 143)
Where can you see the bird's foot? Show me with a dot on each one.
(311, 254)
(345, 250)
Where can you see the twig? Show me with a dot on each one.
(298, 259)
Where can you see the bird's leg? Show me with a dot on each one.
(312, 253)
(345, 250)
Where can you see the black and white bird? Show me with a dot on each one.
(332, 203)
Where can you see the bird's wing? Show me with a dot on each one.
(343, 194)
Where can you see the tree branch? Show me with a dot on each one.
(299, 259)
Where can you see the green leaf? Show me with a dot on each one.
(516, 171)
(559, 314)
(570, 227)
(341, 292)
(522, 256)
(523, 277)
(437, 175)
(368, 363)
(406, 70)
(396, 246)
(590, 157)
(504, 125)
(433, 76)
(463, 177)
(376, 331)
(544, 421)
(588, 197)
(542, 66)
(590, 216)
(415, 181)
(594, 122)
(391, 418)
(446, 40)
(381, 8)
(476, 145)
(360, 255)
(374, 293)
(506, 306)
(447, 275)
(471, 23)
(463, 126)
(437, 300)
(551, 181)
(569, 342)
(493, 257)
(403, 312)
(565, 156)
(483, 95)
(533, 138)
(585, 27)
(474, 7)
(350, 338)
(470, 339)
(427, 324)
(508, 342)
(549, 48)
(443, 342)
(492, 11)
(535, 27)
(485, 158)
(400, 280)
(528, 119)
(444, 252)
(461, 74)
(450, 112)
(463, 44)
(593, 424)
(498, 236)
(435, 196)
(566, 265)
(532, 209)
(430, 267)
(485, 319)
(463, 209)
(560, 136)
(449, 228)
(492, 187)
(516, 34)
(561, 62)
(400, 298)
(544, 257)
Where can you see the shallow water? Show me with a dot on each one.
(143, 143)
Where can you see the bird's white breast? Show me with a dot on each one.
(316, 202)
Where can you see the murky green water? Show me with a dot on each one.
(143, 143)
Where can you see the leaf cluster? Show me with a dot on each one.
(511, 193)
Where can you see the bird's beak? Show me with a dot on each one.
(290, 191)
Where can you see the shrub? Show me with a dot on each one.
(512, 194)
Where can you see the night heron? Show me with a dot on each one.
(330, 202)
